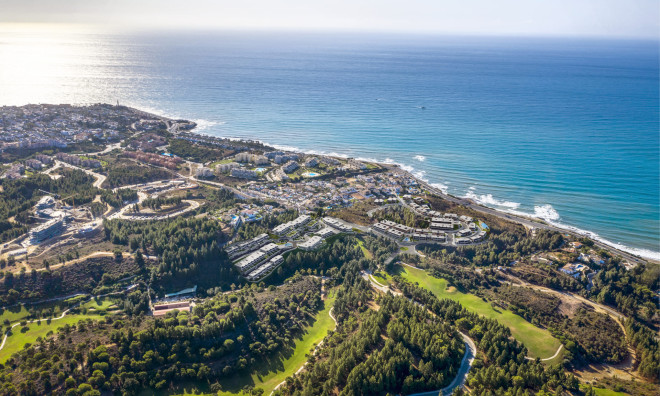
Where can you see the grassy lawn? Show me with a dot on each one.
(101, 305)
(212, 165)
(314, 335)
(20, 312)
(14, 314)
(602, 391)
(18, 339)
(365, 251)
(268, 374)
(539, 342)
(382, 277)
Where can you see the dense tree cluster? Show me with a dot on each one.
(195, 152)
(125, 173)
(646, 344)
(500, 366)
(630, 291)
(159, 202)
(188, 250)
(399, 348)
(586, 333)
(502, 248)
(84, 276)
(223, 336)
(402, 215)
(117, 198)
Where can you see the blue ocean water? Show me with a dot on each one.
(563, 129)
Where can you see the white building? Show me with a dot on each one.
(243, 173)
(290, 167)
(203, 172)
(312, 243)
(226, 167)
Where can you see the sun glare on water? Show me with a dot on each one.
(44, 63)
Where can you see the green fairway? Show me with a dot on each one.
(602, 391)
(382, 277)
(18, 339)
(99, 305)
(365, 251)
(20, 312)
(314, 335)
(539, 342)
(14, 314)
(269, 374)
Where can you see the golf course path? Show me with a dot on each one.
(468, 357)
(551, 357)
(64, 313)
(461, 376)
(313, 353)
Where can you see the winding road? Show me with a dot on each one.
(316, 349)
(468, 357)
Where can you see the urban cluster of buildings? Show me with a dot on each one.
(38, 126)
(164, 160)
(54, 226)
(78, 161)
(259, 256)
(466, 231)
(338, 192)
(255, 159)
(398, 231)
(285, 228)
(37, 163)
(242, 173)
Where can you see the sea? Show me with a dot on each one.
(563, 129)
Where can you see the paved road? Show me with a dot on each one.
(468, 357)
(461, 376)
(99, 177)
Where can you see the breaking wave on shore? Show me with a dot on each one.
(489, 200)
(420, 158)
(551, 216)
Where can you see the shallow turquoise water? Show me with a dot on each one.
(563, 129)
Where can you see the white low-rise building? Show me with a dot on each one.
(312, 243)
(243, 173)
(203, 172)
(251, 261)
(326, 232)
(270, 249)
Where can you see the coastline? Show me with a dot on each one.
(631, 253)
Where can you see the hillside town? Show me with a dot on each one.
(118, 205)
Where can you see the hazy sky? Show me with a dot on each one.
(624, 18)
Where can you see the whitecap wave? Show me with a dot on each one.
(489, 200)
(420, 175)
(442, 187)
(206, 124)
(546, 212)
(644, 253)
(420, 158)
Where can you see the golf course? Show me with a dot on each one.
(539, 342)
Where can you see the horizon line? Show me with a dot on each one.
(126, 29)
